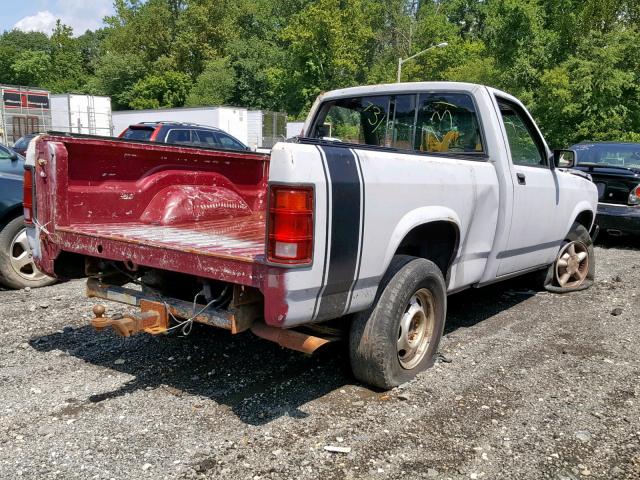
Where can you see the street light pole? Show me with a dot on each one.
(403, 61)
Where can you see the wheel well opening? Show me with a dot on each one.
(9, 215)
(585, 219)
(435, 241)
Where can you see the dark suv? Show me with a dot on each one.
(183, 134)
(17, 269)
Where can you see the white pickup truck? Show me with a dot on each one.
(395, 196)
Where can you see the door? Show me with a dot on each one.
(534, 235)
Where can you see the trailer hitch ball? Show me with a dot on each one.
(153, 318)
(100, 322)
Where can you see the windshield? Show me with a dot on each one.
(609, 154)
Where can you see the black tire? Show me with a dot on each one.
(375, 333)
(10, 275)
(578, 235)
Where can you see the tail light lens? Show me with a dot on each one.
(290, 225)
(27, 196)
(634, 196)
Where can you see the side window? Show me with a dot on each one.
(524, 142)
(360, 120)
(228, 142)
(447, 122)
(206, 138)
(180, 136)
(5, 154)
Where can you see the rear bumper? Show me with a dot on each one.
(618, 218)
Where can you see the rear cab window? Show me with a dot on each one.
(426, 122)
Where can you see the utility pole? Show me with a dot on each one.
(403, 61)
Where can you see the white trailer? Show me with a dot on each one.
(266, 128)
(294, 129)
(23, 110)
(88, 114)
(232, 120)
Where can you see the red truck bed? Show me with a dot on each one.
(135, 202)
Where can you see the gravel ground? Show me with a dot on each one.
(535, 385)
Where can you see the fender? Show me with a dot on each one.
(415, 218)
(582, 206)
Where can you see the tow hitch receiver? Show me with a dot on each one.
(153, 318)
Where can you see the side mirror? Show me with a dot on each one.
(564, 158)
(14, 156)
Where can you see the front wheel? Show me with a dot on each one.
(575, 265)
(398, 336)
(17, 268)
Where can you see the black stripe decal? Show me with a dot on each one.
(344, 231)
(362, 214)
(326, 242)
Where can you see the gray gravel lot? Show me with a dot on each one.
(536, 385)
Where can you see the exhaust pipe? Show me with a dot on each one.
(298, 341)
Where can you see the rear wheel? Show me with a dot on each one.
(17, 268)
(398, 336)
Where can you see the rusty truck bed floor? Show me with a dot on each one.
(238, 238)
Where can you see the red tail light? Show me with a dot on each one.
(27, 196)
(634, 196)
(290, 226)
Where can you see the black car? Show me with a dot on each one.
(23, 142)
(615, 169)
(17, 269)
(183, 134)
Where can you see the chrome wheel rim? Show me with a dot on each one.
(416, 329)
(22, 259)
(572, 265)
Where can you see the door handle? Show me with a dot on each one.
(522, 180)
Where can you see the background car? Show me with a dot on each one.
(183, 134)
(17, 269)
(23, 142)
(615, 169)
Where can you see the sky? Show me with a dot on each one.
(41, 15)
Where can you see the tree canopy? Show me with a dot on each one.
(575, 63)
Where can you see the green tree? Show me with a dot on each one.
(215, 85)
(331, 44)
(595, 94)
(160, 91)
(67, 67)
(31, 67)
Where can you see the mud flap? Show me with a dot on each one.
(577, 233)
